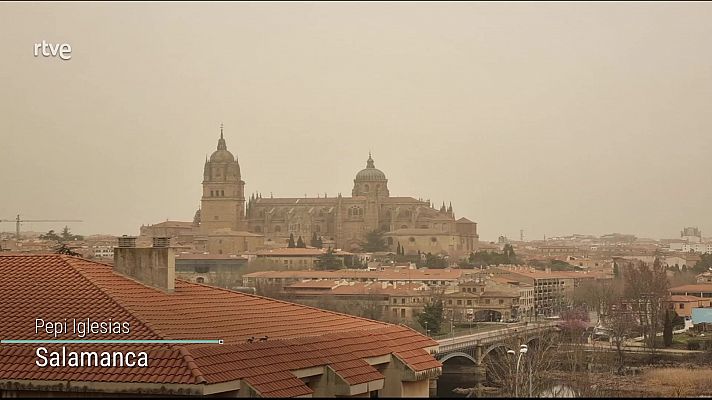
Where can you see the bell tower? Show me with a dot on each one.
(223, 201)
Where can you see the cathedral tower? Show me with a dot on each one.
(223, 201)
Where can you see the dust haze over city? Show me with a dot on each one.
(551, 118)
(330, 199)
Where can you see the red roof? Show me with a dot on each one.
(700, 287)
(54, 287)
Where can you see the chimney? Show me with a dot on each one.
(127, 241)
(161, 242)
(152, 266)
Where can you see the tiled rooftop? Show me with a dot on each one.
(397, 274)
(54, 287)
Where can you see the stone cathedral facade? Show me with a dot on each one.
(227, 218)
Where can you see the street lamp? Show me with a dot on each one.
(522, 351)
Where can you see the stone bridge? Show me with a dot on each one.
(475, 347)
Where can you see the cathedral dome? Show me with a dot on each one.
(222, 154)
(370, 173)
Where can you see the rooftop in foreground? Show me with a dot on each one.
(298, 337)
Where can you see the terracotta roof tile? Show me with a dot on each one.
(55, 287)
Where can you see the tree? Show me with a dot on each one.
(329, 261)
(431, 318)
(667, 328)
(539, 362)
(616, 271)
(620, 322)
(704, 264)
(64, 249)
(51, 236)
(67, 236)
(508, 252)
(300, 243)
(646, 287)
(291, 244)
(319, 243)
(374, 242)
(313, 242)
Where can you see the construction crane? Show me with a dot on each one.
(17, 222)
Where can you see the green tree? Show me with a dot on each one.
(64, 249)
(667, 328)
(704, 264)
(291, 244)
(508, 252)
(313, 242)
(431, 318)
(374, 242)
(51, 235)
(300, 243)
(329, 261)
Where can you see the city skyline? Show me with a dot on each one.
(554, 119)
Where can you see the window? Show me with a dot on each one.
(501, 301)
(212, 194)
(469, 302)
(200, 279)
(403, 300)
(487, 301)
(459, 302)
(222, 193)
(682, 305)
(411, 239)
(277, 229)
(402, 312)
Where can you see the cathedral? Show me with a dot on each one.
(228, 223)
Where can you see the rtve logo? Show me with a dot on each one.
(61, 50)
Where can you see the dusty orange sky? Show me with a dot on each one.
(553, 118)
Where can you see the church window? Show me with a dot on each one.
(212, 194)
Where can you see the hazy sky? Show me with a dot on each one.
(553, 118)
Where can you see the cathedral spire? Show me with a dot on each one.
(369, 162)
(221, 141)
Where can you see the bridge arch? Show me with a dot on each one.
(457, 354)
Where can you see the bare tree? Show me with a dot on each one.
(620, 322)
(534, 369)
(646, 287)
